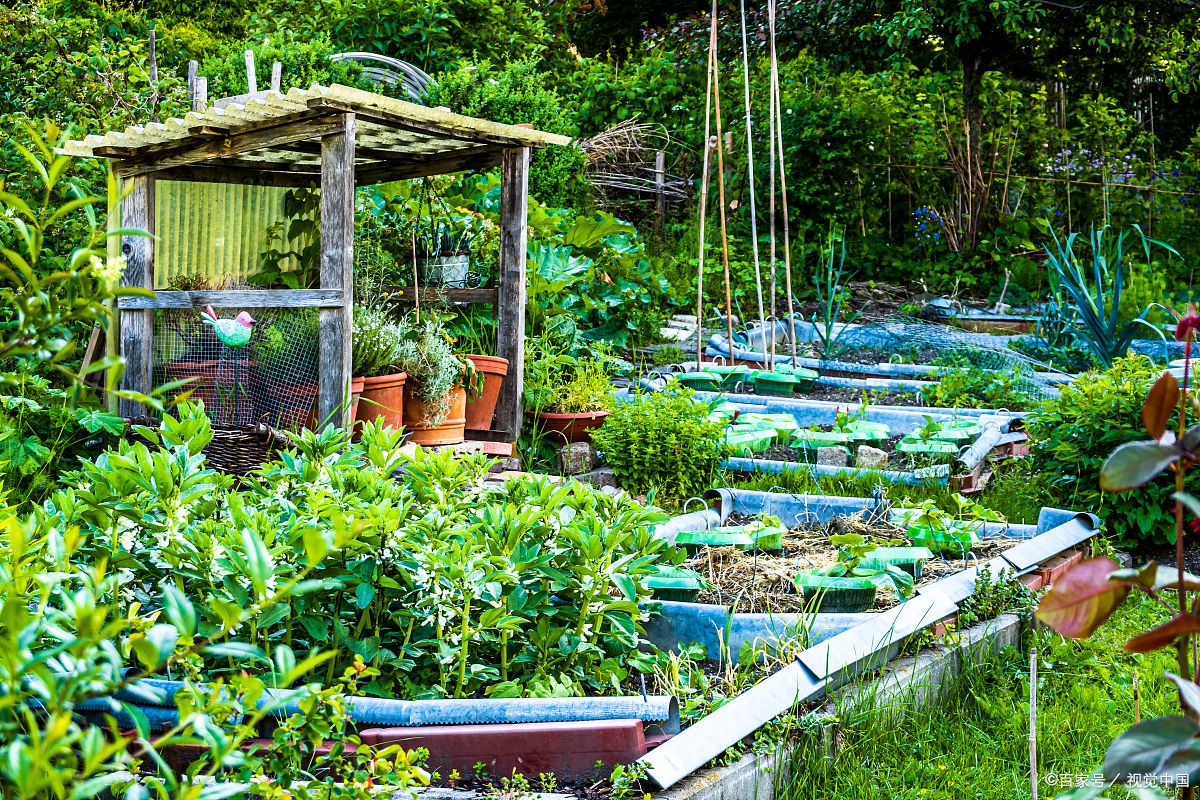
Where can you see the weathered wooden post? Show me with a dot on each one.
(510, 300)
(337, 265)
(136, 326)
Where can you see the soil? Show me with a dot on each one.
(924, 355)
(897, 460)
(839, 394)
(1165, 554)
(755, 582)
(784, 452)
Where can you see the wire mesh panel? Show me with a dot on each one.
(273, 378)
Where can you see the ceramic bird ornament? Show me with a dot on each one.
(231, 332)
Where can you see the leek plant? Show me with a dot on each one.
(1094, 291)
(831, 282)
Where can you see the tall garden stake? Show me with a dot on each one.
(762, 320)
(716, 85)
(1033, 770)
(712, 49)
(771, 124)
(787, 245)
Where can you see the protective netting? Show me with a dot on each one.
(271, 379)
(903, 341)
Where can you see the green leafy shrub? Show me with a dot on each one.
(79, 637)
(444, 585)
(972, 387)
(1074, 433)
(663, 442)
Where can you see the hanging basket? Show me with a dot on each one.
(236, 450)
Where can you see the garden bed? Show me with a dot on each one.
(839, 646)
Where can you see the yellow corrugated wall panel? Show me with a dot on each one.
(213, 231)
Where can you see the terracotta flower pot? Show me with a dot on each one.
(451, 431)
(356, 390)
(382, 398)
(481, 410)
(572, 427)
(202, 374)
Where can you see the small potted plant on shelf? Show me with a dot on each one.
(439, 381)
(570, 396)
(377, 388)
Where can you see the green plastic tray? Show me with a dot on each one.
(933, 447)
(783, 424)
(678, 584)
(768, 538)
(837, 595)
(750, 440)
(703, 381)
(775, 384)
(731, 375)
(910, 559)
(944, 542)
(821, 438)
(692, 541)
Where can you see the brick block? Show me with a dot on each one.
(568, 749)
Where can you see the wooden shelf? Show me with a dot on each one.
(432, 294)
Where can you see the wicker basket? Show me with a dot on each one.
(237, 450)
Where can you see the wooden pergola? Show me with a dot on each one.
(335, 138)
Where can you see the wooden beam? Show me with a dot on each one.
(379, 153)
(510, 301)
(183, 152)
(435, 294)
(381, 117)
(474, 159)
(137, 326)
(337, 265)
(238, 298)
(240, 175)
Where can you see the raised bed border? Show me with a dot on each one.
(907, 683)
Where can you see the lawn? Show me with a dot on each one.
(976, 744)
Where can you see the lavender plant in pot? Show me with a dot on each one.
(377, 389)
(435, 397)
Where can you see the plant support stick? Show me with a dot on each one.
(712, 47)
(1033, 771)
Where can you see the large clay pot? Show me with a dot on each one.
(451, 431)
(571, 427)
(481, 410)
(382, 398)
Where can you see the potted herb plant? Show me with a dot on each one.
(580, 405)
(377, 388)
(435, 396)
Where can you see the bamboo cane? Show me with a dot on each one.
(712, 48)
(772, 122)
(762, 321)
(1033, 770)
(716, 84)
(787, 245)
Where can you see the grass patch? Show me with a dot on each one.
(976, 744)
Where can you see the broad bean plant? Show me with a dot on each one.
(444, 585)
